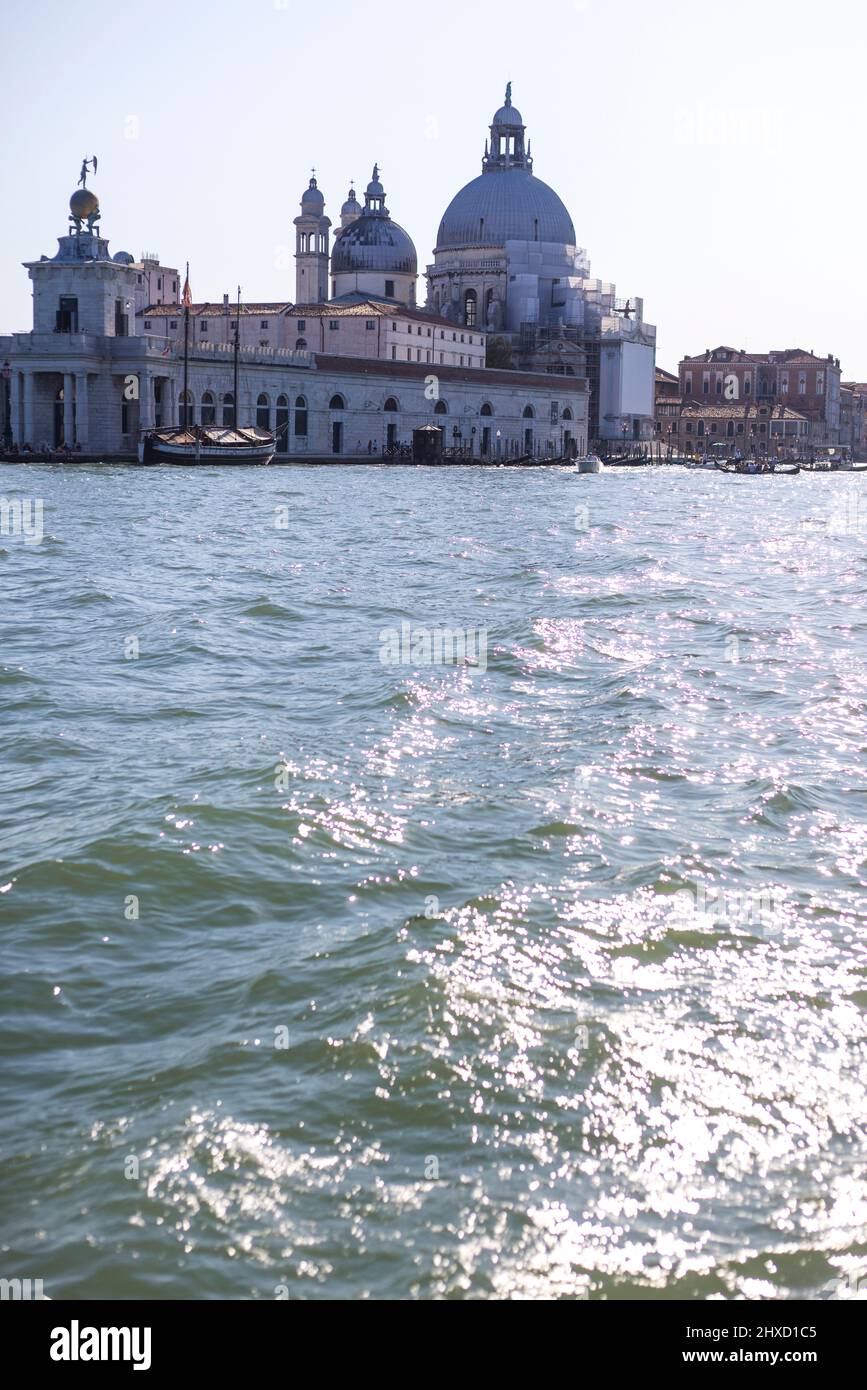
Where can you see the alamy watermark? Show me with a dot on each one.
(438, 646)
(22, 516)
(763, 907)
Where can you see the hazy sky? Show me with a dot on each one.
(710, 155)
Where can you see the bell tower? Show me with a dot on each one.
(311, 248)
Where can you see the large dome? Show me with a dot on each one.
(505, 205)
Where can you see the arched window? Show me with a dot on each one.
(300, 344)
(391, 404)
(263, 413)
(567, 414)
(336, 403)
(187, 412)
(486, 409)
(282, 425)
(209, 414)
(301, 417)
(228, 409)
(441, 408)
(529, 412)
(470, 308)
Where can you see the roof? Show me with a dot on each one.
(505, 205)
(662, 376)
(212, 311)
(348, 306)
(419, 371)
(738, 411)
(365, 306)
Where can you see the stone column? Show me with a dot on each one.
(146, 401)
(68, 427)
(28, 408)
(82, 415)
(15, 408)
(172, 418)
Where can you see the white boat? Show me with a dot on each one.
(590, 464)
(207, 444)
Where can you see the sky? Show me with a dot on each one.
(709, 155)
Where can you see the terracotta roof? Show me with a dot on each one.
(663, 376)
(360, 308)
(211, 311)
(418, 371)
(737, 411)
(372, 308)
(731, 355)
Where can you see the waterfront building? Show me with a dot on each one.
(96, 369)
(507, 260)
(792, 378)
(853, 417)
(749, 428)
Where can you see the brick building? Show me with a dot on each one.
(792, 378)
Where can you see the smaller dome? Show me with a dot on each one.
(311, 197)
(123, 258)
(508, 115)
(83, 203)
(352, 204)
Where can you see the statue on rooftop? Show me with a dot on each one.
(85, 168)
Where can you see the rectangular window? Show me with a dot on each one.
(302, 325)
(442, 357)
(820, 383)
(688, 380)
(203, 326)
(748, 384)
(124, 417)
(409, 354)
(334, 324)
(389, 289)
(263, 323)
(66, 319)
(370, 325)
(394, 354)
(147, 325)
(173, 324)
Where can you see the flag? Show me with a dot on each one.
(187, 298)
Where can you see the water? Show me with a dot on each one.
(333, 979)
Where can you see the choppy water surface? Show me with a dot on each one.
(544, 979)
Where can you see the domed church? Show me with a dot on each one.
(505, 239)
(507, 260)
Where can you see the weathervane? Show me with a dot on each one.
(85, 168)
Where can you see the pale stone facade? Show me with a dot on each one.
(91, 376)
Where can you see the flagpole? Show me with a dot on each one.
(237, 354)
(187, 348)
